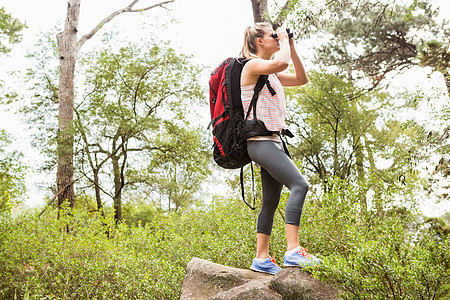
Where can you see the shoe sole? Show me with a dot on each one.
(298, 266)
(262, 271)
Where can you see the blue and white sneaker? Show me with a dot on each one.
(299, 257)
(265, 266)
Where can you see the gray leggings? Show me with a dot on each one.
(277, 169)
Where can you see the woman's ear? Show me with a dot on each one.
(259, 41)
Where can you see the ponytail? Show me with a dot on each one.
(251, 34)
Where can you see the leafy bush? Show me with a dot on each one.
(86, 256)
(12, 174)
(390, 254)
(78, 257)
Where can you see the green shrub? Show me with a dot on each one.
(376, 254)
(85, 256)
(389, 264)
(389, 254)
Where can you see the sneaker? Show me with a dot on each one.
(300, 257)
(268, 266)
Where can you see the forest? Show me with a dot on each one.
(121, 129)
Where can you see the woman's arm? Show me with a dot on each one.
(300, 77)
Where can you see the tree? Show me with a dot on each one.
(11, 170)
(340, 135)
(368, 39)
(12, 174)
(371, 39)
(174, 177)
(68, 49)
(9, 29)
(330, 125)
(127, 121)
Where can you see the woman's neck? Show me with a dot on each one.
(266, 56)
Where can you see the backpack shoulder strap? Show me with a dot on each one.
(262, 80)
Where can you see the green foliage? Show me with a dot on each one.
(133, 123)
(43, 260)
(435, 54)
(330, 124)
(9, 28)
(174, 175)
(12, 175)
(343, 133)
(377, 37)
(140, 213)
(40, 106)
(133, 105)
(85, 256)
(369, 39)
(390, 265)
(389, 254)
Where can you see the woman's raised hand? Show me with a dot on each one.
(282, 33)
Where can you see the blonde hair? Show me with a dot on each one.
(252, 33)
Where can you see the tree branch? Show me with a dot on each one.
(97, 185)
(129, 8)
(281, 15)
(57, 194)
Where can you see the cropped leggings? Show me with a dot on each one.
(277, 169)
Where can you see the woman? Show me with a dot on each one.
(277, 169)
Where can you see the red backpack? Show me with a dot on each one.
(230, 128)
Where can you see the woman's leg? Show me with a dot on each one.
(279, 168)
(292, 236)
(262, 245)
(271, 191)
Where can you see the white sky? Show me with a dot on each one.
(204, 28)
(210, 29)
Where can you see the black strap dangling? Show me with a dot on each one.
(253, 187)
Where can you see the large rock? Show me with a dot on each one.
(295, 284)
(207, 280)
(254, 289)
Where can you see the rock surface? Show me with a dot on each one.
(293, 283)
(207, 280)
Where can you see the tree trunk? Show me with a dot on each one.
(259, 10)
(118, 185)
(261, 13)
(359, 156)
(97, 192)
(67, 46)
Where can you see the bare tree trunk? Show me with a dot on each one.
(98, 197)
(67, 46)
(261, 13)
(259, 10)
(359, 156)
(118, 185)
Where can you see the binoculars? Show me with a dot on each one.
(290, 34)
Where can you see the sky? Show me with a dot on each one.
(211, 30)
(204, 26)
